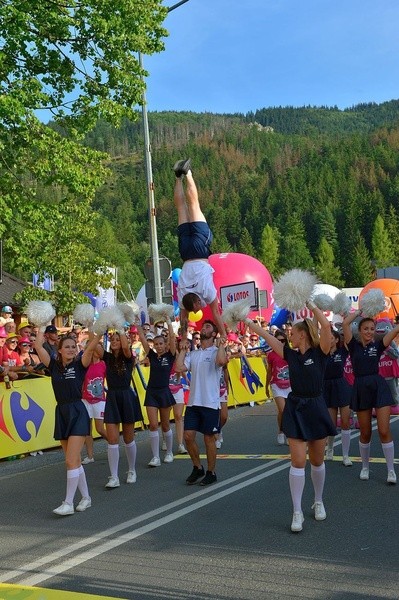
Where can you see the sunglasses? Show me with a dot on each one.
(24, 344)
(13, 342)
(253, 339)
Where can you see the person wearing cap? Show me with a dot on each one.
(195, 288)
(25, 329)
(27, 357)
(4, 368)
(10, 354)
(135, 343)
(51, 341)
(6, 315)
(72, 421)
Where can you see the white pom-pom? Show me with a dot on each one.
(84, 314)
(294, 289)
(130, 311)
(341, 304)
(372, 303)
(109, 318)
(40, 312)
(323, 301)
(160, 312)
(236, 312)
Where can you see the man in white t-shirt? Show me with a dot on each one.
(203, 408)
(195, 288)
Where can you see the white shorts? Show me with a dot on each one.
(179, 396)
(96, 411)
(280, 393)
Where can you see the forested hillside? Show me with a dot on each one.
(316, 188)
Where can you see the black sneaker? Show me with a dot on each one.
(182, 167)
(196, 474)
(209, 478)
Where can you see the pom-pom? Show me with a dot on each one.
(341, 304)
(109, 318)
(372, 303)
(40, 312)
(160, 312)
(323, 301)
(84, 314)
(294, 289)
(236, 312)
(130, 311)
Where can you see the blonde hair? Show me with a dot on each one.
(308, 327)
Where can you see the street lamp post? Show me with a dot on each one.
(155, 263)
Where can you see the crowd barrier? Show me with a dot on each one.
(27, 409)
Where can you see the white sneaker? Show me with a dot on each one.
(218, 444)
(181, 449)
(113, 482)
(163, 445)
(297, 520)
(87, 460)
(168, 458)
(155, 462)
(329, 454)
(131, 477)
(83, 504)
(64, 509)
(281, 439)
(391, 477)
(346, 461)
(364, 474)
(319, 511)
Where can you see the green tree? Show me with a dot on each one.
(325, 268)
(269, 249)
(382, 249)
(361, 272)
(245, 245)
(294, 250)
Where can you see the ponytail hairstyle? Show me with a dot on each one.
(310, 329)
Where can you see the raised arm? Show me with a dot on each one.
(346, 325)
(179, 364)
(172, 337)
(325, 327)
(125, 345)
(217, 318)
(390, 336)
(38, 346)
(273, 342)
(87, 355)
(143, 339)
(221, 357)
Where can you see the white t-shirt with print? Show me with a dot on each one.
(197, 277)
(205, 378)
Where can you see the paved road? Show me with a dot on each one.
(160, 539)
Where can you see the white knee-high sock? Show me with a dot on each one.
(131, 453)
(82, 483)
(113, 459)
(169, 440)
(364, 454)
(389, 453)
(154, 440)
(318, 475)
(297, 483)
(72, 484)
(346, 440)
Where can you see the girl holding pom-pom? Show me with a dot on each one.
(72, 422)
(306, 421)
(370, 390)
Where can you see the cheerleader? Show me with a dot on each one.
(337, 394)
(306, 421)
(72, 421)
(370, 390)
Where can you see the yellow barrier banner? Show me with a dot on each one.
(27, 409)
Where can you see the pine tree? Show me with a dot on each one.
(295, 252)
(245, 245)
(325, 267)
(362, 271)
(383, 253)
(269, 252)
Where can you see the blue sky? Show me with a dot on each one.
(228, 56)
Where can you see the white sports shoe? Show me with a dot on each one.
(168, 457)
(83, 504)
(64, 509)
(163, 445)
(113, 482)
(218, 444)
(281, 439)
(319, 511)
(364, 474)
(329, 454)
(297, 520)
(346, 461)
(87, 460)
(182, 449)
(131, 477)
(155, 462)
(391, 479)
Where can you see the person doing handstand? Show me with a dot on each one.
(196, 288)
